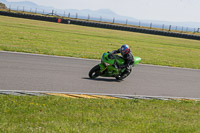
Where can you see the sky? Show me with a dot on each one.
(163, 10)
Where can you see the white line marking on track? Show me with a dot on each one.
(48, 55)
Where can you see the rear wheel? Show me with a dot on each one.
(123, 75)
(94, 72)
(119, 77)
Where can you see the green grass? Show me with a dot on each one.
(59, 114)
(33, 36)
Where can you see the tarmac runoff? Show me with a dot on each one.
(91, 95)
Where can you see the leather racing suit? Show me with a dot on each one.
(129, 61)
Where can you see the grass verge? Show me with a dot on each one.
(33, 36)
(59, 114)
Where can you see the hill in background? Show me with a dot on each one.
(99, 15)
(2, 6)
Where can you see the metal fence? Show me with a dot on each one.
(63, 13)
(113, 25)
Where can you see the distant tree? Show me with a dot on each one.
(2, 6)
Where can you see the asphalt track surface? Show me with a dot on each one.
(31, 72)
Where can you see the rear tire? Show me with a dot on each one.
(94, 72)
(119, 78)
(123, 75)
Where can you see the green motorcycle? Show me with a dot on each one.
(107, 67)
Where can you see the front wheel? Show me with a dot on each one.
(94, 72)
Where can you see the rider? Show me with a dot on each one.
(128, 57)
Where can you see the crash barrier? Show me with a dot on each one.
(100, 25)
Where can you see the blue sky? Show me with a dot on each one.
(164, 10)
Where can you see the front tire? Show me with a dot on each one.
(94, 72)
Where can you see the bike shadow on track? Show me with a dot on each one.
(103, 79)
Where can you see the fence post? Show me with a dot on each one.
(126, 21)
(76, 15)
(52, 12)
(150, 25)
(182, 29)
(88, 16)
(170, 26)
(23, 8)
(69, 15)
(113, 20)
(163, 26)
(9, 8)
